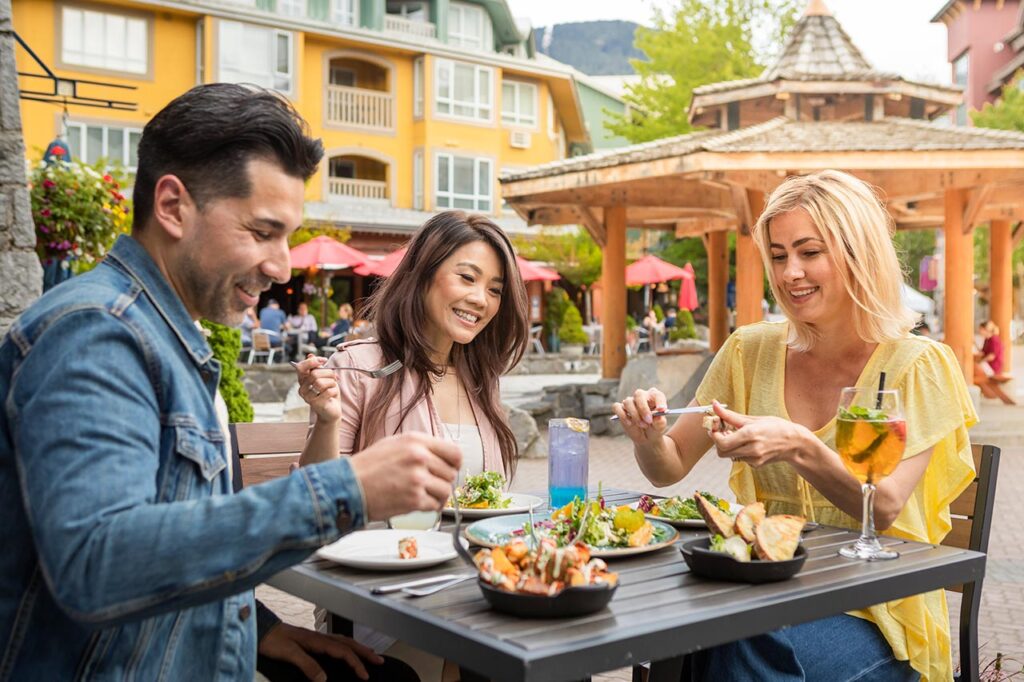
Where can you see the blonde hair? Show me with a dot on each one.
(858, 233)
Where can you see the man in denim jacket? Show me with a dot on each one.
(125, 553)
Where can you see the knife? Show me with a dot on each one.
(397, 587)
(680, 410)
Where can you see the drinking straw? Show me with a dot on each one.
(881, 387)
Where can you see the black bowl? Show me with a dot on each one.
(572, 601)
(718, 566)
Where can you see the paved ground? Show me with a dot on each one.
(1001, 627)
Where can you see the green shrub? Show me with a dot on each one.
(557, 303)
(571, 332)
(226, 344)
(658, 312)
(630, 323)
(684, 329)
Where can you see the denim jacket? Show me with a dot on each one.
(125, 554)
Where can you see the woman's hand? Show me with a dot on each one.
(635, 416)
(319, 388)
(757, 440)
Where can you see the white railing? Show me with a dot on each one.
(420, 29)
(357, 189)
(359, 107)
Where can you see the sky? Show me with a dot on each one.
(894, 35)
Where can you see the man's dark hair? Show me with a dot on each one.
(207, 136)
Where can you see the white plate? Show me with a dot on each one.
(734, 509)
(520, 504)
(378, 550)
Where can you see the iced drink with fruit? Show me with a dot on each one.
(568, 460)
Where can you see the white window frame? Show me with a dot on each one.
(480, 201)
(418, 191)
(112, 32)
(345, 12)
(515, 117)
(482, 104)
(418, 73)
(460, 14)
(109, 130)
(282, 81)
(292, 8)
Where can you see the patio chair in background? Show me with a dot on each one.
(643, 341)
(535, 344)
(262, 344)
(594, 338)
(260, 452)
(331, 344)
(972, 522)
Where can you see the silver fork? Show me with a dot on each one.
(457, 530)
(378, 373)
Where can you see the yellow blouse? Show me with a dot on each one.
(749, 373)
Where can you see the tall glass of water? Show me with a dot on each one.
(568, 459)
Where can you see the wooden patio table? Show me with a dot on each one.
(660, 613)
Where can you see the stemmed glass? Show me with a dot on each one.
(871, 434)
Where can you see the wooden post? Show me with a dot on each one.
(958, 313)
(1001, 286)
(749, 267)
(718, 275)
(613, 293)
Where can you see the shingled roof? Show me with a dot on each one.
(784, 135)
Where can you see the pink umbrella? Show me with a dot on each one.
(688, 291)
(325, 253)
(653, 270)
(384, 267)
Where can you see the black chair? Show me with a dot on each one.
(972, 524)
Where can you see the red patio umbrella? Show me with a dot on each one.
(652, 270)
(325, 254)
(688, 291)
(384, 267)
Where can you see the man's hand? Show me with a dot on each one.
(288, 643)
(409, 472)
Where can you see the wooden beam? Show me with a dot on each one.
(716, 244)
(1018, 233)
(593, 225)
(749, 269)
(613, 293)
(741, 207)
(958, 312)
(975, 202)
(1001, 285)
(696, 227)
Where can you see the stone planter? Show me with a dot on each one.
(572, 350)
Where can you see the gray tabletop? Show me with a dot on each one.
(659, 613)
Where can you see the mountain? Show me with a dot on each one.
(597, 48)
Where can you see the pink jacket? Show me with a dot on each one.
(357, 390)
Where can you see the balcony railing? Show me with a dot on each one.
(357, 189)
(420, 29)
(359, 107)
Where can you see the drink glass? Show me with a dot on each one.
(871, 435)
(568, 458)
(417, 520)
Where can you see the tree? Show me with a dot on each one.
(1008, 111)
(574, 254)
(699, 42)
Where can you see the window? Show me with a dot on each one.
(519, 103)
(961, 73)
(417, 179)
(342, 168)
(343, 12)
(291, 8)
(469, 26)
(417, 87)
(91, 142)
(104, 41)
(463, 90)
(255, 54)
(341, 75)
(463, 182)
(415, 10)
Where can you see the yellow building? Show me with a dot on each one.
(421, 104)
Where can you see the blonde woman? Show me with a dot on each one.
(826, 243)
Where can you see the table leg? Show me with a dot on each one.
(668, 670)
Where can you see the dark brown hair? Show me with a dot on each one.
(399, 319)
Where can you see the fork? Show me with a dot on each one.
(457, 530)
(379, 373)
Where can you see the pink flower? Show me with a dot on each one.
(49, 184)
(46, 213)
(58, 151)
(107, 178)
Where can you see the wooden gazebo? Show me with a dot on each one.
(820, 106)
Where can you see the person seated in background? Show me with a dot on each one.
(272, 318)
(344, 323)
(671, 318)
(305, 327)
(249, 322)
(991, 355)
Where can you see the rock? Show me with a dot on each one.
(524, 427)
(677, 376)
(604, 426)
(598, 410)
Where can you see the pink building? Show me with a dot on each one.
(981, 48)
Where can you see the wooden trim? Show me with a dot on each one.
(741, 205)
(613, 293)
(959, 263)
(1001, 284)
(975, 201)
(716, 245)
(749, 269)
(593, 225)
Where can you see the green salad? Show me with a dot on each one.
(483, 491)
(678, 508)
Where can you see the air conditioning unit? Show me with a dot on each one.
(520, 139)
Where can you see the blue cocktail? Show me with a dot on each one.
(568, 455)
